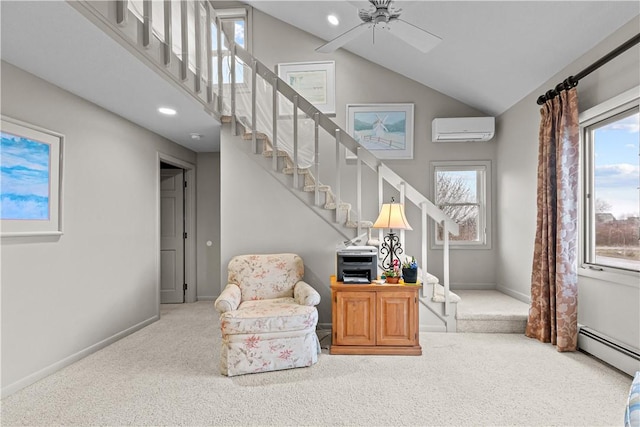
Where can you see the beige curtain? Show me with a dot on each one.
(553, 315)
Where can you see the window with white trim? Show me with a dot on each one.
(610, 150)
(235, 20)
(462, 190)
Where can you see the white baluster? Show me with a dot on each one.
(274, 139)
(198, 43)
(254, 131)
(168, 39)
(146, 23)
(295, 141)
(316, 158)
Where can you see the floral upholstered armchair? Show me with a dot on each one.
(268, 316)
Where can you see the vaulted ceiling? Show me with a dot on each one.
(492, 54)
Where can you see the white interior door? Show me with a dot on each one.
(172, 236)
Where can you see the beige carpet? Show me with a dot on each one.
(490, 311)
(167, 374)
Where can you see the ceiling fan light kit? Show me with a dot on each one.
(384, 16)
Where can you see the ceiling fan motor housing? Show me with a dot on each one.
(382, 14)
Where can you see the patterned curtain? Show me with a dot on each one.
(553, 315)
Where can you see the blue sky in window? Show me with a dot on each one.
(239, 27)
(226, 69)
(24, 184)
(239, 35)
(617, 167)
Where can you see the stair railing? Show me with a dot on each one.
(344, 140)
(115, 18)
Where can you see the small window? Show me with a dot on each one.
(611, 185)
(234, 19)
(461, 190)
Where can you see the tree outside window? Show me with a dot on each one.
(460, 191)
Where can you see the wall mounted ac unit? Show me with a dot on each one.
(459, 129)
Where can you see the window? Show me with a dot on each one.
(461, 190)
(235, 20)
(611, 184)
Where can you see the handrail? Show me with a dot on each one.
(214, 103)
(347, 140)
(343, 139)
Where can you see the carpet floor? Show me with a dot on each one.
(167, 374)
(490, 311)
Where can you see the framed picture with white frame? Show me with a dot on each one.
(384, 129)
(315, 81)
(31, 185)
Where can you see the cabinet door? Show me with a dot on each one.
(397, 321)
(355, 318)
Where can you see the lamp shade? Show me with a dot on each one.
(392, 216)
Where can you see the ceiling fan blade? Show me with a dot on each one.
(422, 40)
(343, 38)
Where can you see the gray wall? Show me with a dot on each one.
(64, 297)
(360, 81)
(208, 225)
(258, 215)
(604, 306)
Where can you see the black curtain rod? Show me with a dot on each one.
(572, 81)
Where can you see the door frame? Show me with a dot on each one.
(190, 228)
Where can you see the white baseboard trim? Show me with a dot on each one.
(206, 298)
(54, 367)
(620, 356)
(514, 294)
(472, 286)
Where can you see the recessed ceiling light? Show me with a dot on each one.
(196, 136)
(333, 19)
(167, 111)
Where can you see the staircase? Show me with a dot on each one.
(282, 129)
(344, 214)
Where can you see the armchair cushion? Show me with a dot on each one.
(304, 294)
(274, 315)
(229, 299)
(266, 276)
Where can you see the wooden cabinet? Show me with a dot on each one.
(374, 319)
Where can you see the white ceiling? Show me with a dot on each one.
(492, 54)
(55, 42)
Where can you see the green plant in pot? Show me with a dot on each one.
(410, 270)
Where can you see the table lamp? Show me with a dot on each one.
(391, 217)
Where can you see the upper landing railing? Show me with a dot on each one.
(176, 38)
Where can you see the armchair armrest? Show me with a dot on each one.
(304, 294)
(229, 299)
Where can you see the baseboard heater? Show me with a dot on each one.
(616, 354)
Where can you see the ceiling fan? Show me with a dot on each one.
(384, 16)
